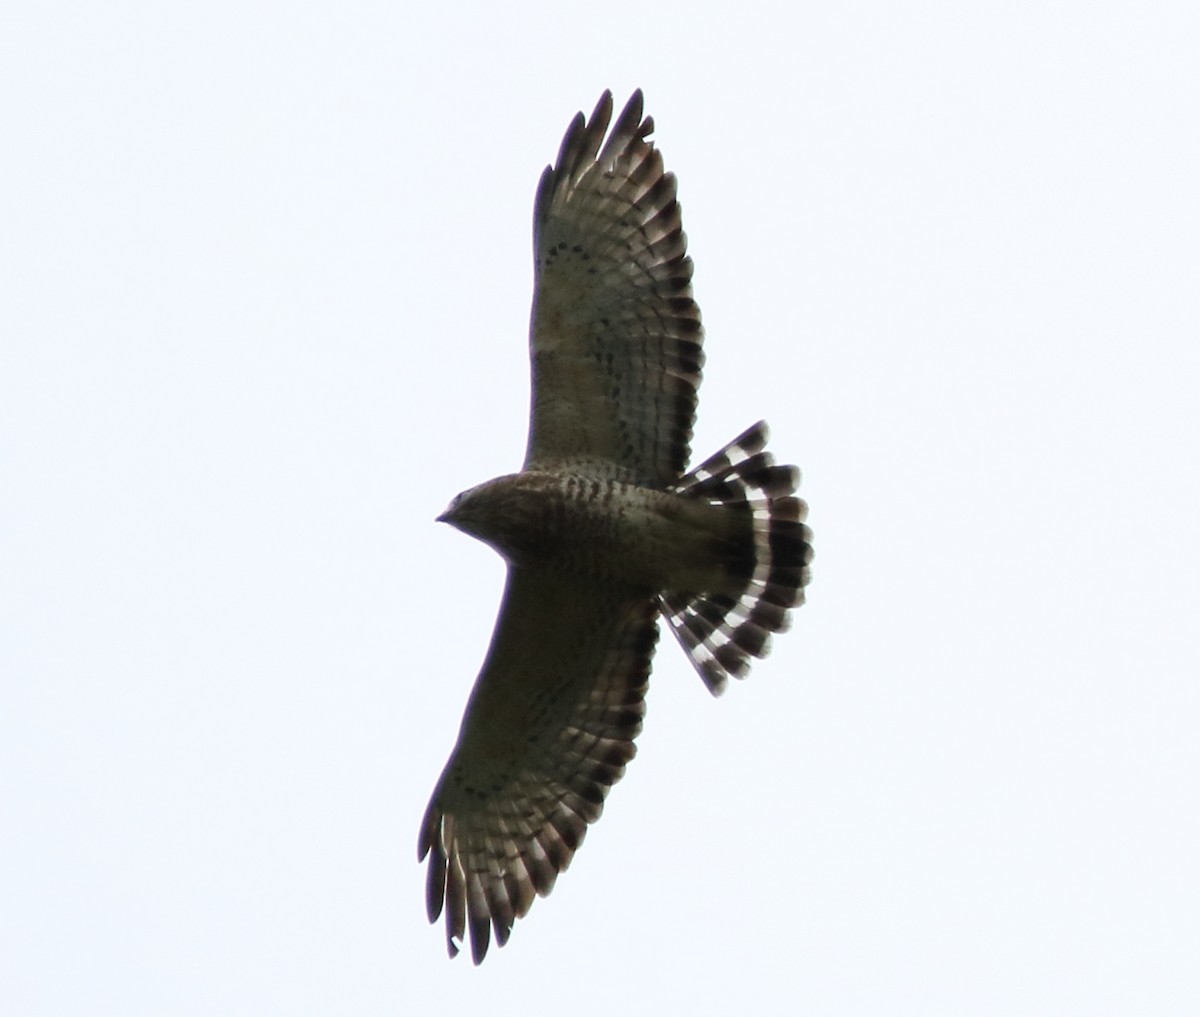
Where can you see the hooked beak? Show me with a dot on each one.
(450, 511)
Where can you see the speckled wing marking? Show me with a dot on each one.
(615, 337)
(549, 728)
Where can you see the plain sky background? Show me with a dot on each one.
(264, 287)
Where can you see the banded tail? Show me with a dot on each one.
(721, 633)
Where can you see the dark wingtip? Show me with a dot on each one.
(603, 111)
(481, 926)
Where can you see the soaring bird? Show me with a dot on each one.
(603, 529)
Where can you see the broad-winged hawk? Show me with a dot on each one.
(603, 530)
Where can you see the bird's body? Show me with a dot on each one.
(604, 529)
(607, 530)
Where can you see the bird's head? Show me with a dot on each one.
(488, 512)
(450, 513)
(463, 508)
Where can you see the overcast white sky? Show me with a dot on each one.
(264, 285)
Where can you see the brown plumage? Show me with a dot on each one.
(603, 531)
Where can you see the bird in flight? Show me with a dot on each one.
(603, 530)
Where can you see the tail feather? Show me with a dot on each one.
(721, 633)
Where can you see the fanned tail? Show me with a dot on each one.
(721, 633)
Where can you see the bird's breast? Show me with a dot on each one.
(613, 530)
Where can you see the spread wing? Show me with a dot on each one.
(548, 729)
(615, 337)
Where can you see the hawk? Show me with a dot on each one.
(603, 530)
